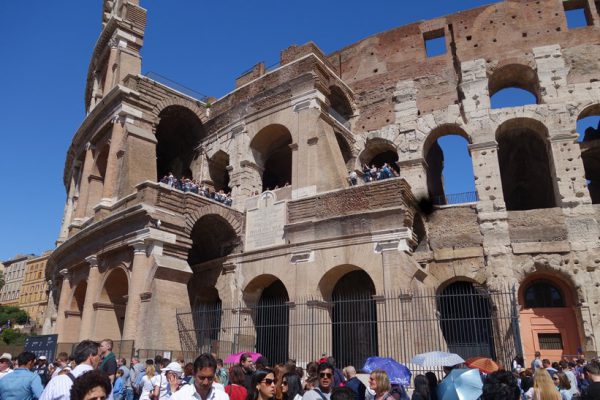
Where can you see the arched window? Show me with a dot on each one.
(219, 174)
(525, 165)
(272, 152)
(212, 237)
(588, 128)
(272, 323)
(543, 294)
(378, 152)
(513, 85)
(339, 106)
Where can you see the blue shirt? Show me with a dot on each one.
(21, 384)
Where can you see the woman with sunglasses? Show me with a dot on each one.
(561, 381)
(379, 386)
(263, 385)
(291, 387)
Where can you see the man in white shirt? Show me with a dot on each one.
(87, 358)
(201, 387)
(5, 364)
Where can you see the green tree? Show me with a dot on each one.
(14, 314)
(11, 336)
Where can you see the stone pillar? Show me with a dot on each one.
(552, 72)
(88, 167)
(405, 105)
(110, 73)
(93, 286)
(571, 188)
(140, 268)
(474, 86)
(415, 173)
(109, 192)
(65, 290)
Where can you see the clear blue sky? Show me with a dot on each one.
(46, 46)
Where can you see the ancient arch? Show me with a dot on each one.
(515, 77)
(213, 238)
(378, 151)
(219, 174)
(178, 134)
(548, 315)
(353, 313)
(588, 128)
(273, 155)
(111, 304)
(434, 156)
(73, 313)
(339, 105)
(525, 169)
(465, 318)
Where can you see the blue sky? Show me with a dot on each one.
(46, 46)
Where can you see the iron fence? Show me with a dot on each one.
(455, 198)
(467, 320)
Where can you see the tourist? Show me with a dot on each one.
(421, 391)
(136, 369)
(118, 391)
(5, 364)
(108, 363)
(563, 385)
(22, 383)
(93, 385)
(591, 372)
(146, 386)
(543, 387)
(501, 385)
(86, 356)
(205, 368)
(62, 364)
(536, 363)
(263, 385)
(325, 383)
(41, 368)
(248, 365)
(433, 384)
(222, 375)
(379, 386)
(291, 386)
(236, 389)
(168, 380)
(352, 178)
(353, 383)
(338, 376)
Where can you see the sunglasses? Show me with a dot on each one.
(284, 383)
(269, 381)
(204, 378)
(325, 375)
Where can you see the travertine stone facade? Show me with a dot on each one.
(133, 251)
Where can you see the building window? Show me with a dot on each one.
(550, 341)
(577, 14)
(542, 294)
(435, 43)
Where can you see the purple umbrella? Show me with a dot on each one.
(235, 358)
(398, 373)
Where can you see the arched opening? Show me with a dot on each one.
(212, 238)
(345, 150)
(514, 85)
(548, 321)
(73, 314)
(219, 175)
(450, 178)
(272, 323)
(419, 233)
(111, 305)
(339, 106)
(206, 312)
(465, 318)
(525, 165)
(178, 134)
(272, 153)
(588, 128)
(354, 319)
(378, 152)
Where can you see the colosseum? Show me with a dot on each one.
(303, 262)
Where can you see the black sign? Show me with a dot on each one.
(44, 345)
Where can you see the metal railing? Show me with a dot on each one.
(398, 325)
(455, 198)
(176, 86)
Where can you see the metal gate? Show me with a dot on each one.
(468, 320)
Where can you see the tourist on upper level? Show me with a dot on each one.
(352, 178)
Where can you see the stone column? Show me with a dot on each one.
(109, 192)
(474, 85)
(415, 173)
(65, 290)
(571, 188)
(139, 273)
(93, 286)
(88, 167)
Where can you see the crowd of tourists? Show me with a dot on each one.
(372, 173)
(190, 185)
(93, 372)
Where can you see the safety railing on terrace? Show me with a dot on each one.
(177, 86)
(455, 198)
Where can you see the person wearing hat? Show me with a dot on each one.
(168, 382)
(41, 368)
(5, 364)
(22, 384)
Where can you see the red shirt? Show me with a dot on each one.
(236, 392)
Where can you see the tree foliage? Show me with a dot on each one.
(11, 336)
(14, 314)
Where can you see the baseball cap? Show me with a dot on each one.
(174, 367)
(6, 356)
(42, 358)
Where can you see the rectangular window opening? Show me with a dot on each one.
(577, 13)
(550, 341)
(435, 42)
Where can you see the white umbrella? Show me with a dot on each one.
(437, 359)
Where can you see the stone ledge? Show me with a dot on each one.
(541, 247)
(450, 254)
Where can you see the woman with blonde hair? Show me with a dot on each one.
(543, 387)
(379, 386)
(147, 386)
